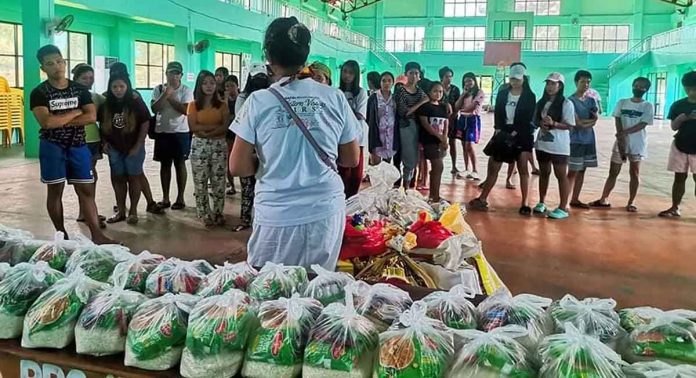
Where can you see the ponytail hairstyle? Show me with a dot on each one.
(353, 87)
(199, 96)
(475, 90)
(286, 43)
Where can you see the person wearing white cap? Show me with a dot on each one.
(555, 117)
(513, 140)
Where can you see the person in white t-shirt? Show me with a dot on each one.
(631, 116)
(173, 138)
(299, 207)
(555, 117)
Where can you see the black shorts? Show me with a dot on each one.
(95, 149)
(433, 151)
(545, 157)
(172, 147)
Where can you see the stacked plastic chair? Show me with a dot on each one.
(11, 113)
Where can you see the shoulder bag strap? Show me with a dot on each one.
(325, 158)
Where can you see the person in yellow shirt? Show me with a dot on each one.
(208, 117)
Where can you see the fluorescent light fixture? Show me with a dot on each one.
(71, 4)
(144, 20)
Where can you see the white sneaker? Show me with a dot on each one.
(474, 176)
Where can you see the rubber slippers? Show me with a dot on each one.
(116, 218)
(478, 204)
(178, 205)
(670, 213)
(579, 205)
(540, 208)
(525, 210)
(558, 214)
(632, 208)
(600, 204)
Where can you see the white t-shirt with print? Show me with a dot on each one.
(632, 113)
(556, 141)
(293, 185)
(169, 120)
(359, 106)
(510, 107)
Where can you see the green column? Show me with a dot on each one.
(34, 13)
(122, 44)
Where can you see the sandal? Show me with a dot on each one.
(525, 210)
(241, 227)
(419, 188)
(154, 208)
(116, 218)
(632, 208)
(558, 214)
(132, 219)
(478, 204)
(670, 213)
(579, 205)
(178, 205)
(510, 186)
(535, 172)
(100, 218)
(164, 204)
(600, 204)
(540, 208)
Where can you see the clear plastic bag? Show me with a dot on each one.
(415, 346)
(382, 179)
(50, 321)
(103, 324)
(157, 332)
(328, 287)
(24, 250)
(342, 343)
(491, 354)
(668, 337)
(277, 280)
(226, 277)
(135, 270)
(11, 240)
(631, 318)
(659, 369)
(54, 253)
(574, 354)
(525, 310)
(597, 316)
(175, 276)
(278, 345)
(23, 283)
(381, 303)
(218, 331)
(97, 261)
(4, 267)
(452, 307)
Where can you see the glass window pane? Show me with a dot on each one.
(141, 77)
(389, 46)
(399, 46)
(218, 59)
(470, 10)
(61, 41)
(449, 10)
(481, 33)
(7, 39)
(20, 72)
(156, 76)
(140, 53)
(448, 45)
(586, 32)
(621, 46)
(420, 33)
(7, 69)
(170, 53)
(20, 39)
(554, 8)
(459, 46)
(553, 31)
(78, 46)
(468, 45)
(622, 32)
(155, 52)
(389, 33)
(597, 32)
(610, 46)
(610, 32)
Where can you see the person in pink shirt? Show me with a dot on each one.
(468, 128)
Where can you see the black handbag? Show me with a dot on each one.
(501, 147)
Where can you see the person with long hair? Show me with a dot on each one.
(433, 117)
(357, 99)
(513, 139)
(555, 117)
(383, 136)
(221, 74)
(408, 98)
(299, 214)
(374, 79)
(83, 74)
(257, 80)
(231, 94)
(208, 117)
(468, 118)
(124, 120)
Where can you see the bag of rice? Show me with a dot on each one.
(135, 270)
(54, 253)
(10, 240)
(218, 331)
(668, 337)
(23, 283)
(491, 354)
(526, 310)
(157, 332)
(226, 277)
(381, 303)
(452, 307)
(102, 327)
(597, 316)
(276, 280)
(277, 346)
(50, 321)
(574, 354)
(415, 346)
(174, 276)
(659, 369)
(342, 344)
(97, 261)
(328, 287)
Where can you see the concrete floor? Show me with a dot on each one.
(637, 259)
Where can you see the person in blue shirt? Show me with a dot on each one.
(299, 207)
(583, 148)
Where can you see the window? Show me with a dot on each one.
(546, 38)
(11, 57)
(404, 39)
(539, 7)
(150, 62)
(465, 8)
(509, 30)
(233, 62)
(76, 48)
(605, 38)
(464, 38)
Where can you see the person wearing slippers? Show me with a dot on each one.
(555, 116)
(433, 119)
(124, 121)
(631, 117)
(583, 149)
(682, 156)
(513, 140)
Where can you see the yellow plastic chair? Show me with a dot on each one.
(4, 85)
(17, 113)
(5, 119)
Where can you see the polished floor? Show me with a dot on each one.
(637, 259)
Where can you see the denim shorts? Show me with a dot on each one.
(59, 164)
(124, 165)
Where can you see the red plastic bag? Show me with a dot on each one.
(430, 234)
(363, 242)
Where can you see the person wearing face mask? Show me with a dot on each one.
(408, 99)
(124, 121)
(631, 117)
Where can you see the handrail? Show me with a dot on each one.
(549, 44)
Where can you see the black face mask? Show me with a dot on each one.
(638, 93)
